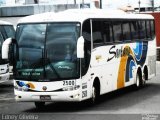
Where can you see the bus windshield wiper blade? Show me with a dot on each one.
(48, 61)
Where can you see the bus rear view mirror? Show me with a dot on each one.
(80, 47)
(5, 48)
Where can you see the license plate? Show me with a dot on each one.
(45, 97)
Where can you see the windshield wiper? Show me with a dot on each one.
(42, 62)
(48, 61)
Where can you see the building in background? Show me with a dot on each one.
(54, 2)
(7, 2)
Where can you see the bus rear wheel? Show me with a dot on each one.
(39, 105)
(138, 80)
(145, 76)
(143, 80)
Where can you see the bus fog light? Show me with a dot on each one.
(75, 96)
(17, 97)
(24, 88)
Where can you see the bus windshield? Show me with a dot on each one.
(47, 51)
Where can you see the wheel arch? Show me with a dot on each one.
(97, 84)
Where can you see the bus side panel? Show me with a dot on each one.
(103, 68)
(151, 59)
(116, 65)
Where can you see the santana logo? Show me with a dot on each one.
(116, 53)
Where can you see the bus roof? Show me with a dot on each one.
(5, 23)
(79, 15)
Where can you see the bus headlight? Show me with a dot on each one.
(24, 88)
(70, 88)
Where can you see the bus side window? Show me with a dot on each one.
(152, 27)
(86, 33)
(117, 31)
(142, 31)
(148, 30)
(97, 32)
(134, 30)
(126, 31)
(107, 32)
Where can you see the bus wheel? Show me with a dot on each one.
(138, 80)
(39, 105)
(143, 80)
(145, 76)
(93, 99)
(95, 93)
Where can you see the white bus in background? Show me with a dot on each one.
(6, 31)
(77, 55)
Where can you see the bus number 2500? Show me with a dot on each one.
(68, 82)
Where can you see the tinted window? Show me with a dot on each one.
(148, 30)
(142, 30)
(3, 33)
(97, 31)
(107, 32)
(32, 35)
(86, 31)
(9, 31)
(152, 29)
(126, 31)
(117, 31)
(134, 30)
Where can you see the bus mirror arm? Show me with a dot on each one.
(5, 48)
(80, 47)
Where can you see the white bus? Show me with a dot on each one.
(6, 31)
(77, 55)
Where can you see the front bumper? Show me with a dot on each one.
(70, 96)
(4, 77)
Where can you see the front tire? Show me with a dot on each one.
(95, 94)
